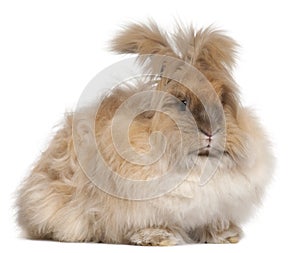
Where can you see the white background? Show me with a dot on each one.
(49, 50)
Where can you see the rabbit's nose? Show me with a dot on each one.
(208, 137)
(207, 132)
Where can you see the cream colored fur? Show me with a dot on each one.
(58, 201)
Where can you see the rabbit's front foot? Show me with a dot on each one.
(156, 237)
(218, 232)
(224, 232)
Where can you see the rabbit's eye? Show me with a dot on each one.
(183, 105)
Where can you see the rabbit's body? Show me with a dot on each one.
(58, 200)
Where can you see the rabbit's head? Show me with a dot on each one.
(198, 103)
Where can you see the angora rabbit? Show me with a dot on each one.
(171, 159)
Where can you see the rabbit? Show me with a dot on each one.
(189, 129)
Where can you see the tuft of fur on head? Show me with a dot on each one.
(142, 39)
(207, 49)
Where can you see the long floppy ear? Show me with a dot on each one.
(142, 39)
(206, 49)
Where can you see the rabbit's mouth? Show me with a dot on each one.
(209, 151)
(204, 152)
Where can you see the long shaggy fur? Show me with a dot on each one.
(57, 200)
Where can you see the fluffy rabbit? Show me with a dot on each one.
(59, 201)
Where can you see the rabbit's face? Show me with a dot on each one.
(205, 118)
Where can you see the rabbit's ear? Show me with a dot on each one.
(206, 49)
(142, 39)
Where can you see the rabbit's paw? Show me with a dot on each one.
(156, 237)
(218, 232)
(224, 232)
